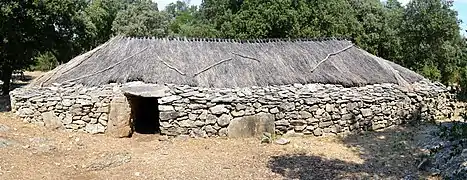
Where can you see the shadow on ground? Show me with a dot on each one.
(388, 154)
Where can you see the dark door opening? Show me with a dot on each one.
(145, 114)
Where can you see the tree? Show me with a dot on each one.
(100, 14)
(430, 31)
(391, 43)
(141, 18)
(30, 27)
(186, 22)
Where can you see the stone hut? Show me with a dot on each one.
(221, 87)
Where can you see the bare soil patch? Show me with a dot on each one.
(32, 152)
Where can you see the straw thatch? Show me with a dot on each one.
(228, 63)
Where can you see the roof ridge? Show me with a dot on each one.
(258, 40)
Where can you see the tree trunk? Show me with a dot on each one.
(6, 77)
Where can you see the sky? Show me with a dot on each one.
(459, 5)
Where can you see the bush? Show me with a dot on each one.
(45, 62)
(463, 80)
(431, 72)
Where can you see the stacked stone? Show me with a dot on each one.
(312, 109)
(72, 107)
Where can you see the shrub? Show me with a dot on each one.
(45, 62)
(463, 81)
(431, 72)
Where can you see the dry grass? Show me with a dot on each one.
(36, 153)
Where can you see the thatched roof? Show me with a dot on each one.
(228, 63)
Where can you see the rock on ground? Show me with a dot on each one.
(108, 160)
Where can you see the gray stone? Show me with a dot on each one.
(165, 116)
(311, 101)
(312, 120)
(84, 102)
(119, 124)
(203, 115)
(94, 128)
(210, 129)
(199, 123)
(292, 133)
(282, 141)
(224, 120)
(298, 122)
(366, 112)
(186, 124)
(325, 124)
(219, 109)
(192, 116)
(240, 107)
(25, 112)
(299, 128)
(251, 126)
(145, 90)
(169, 99)
(223, 100)
(347, 117)
(103, 117)
(197, 106)
(166, 125)
(274, 110)
(318, 132)
(282, 123)
(79, 122)
(238, 113)
(165, 108)
(223, 132)
(305, 115)
(67, 102)
(320, 112)
(287, 106)
(51, 121)
(329, 108)
(211, 119)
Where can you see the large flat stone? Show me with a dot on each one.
(119, 124)
(251, 126)
(51, 121)
(145, 90)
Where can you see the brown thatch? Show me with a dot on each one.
(228, 63)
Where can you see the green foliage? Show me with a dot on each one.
(430, 31)
(100, 15)
(30, 27)
(423, 36)
(45, 62)
(431, 72)
(456, 131)
(463, 80)
(141, 18)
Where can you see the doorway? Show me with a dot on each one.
(145, 114)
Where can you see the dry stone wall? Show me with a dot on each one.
(312, 109)
(73, 107)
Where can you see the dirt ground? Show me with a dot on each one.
(31, 152)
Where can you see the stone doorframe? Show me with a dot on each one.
(120, 123)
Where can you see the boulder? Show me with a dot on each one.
(119, 124)
(51, 121)
(251, 126)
